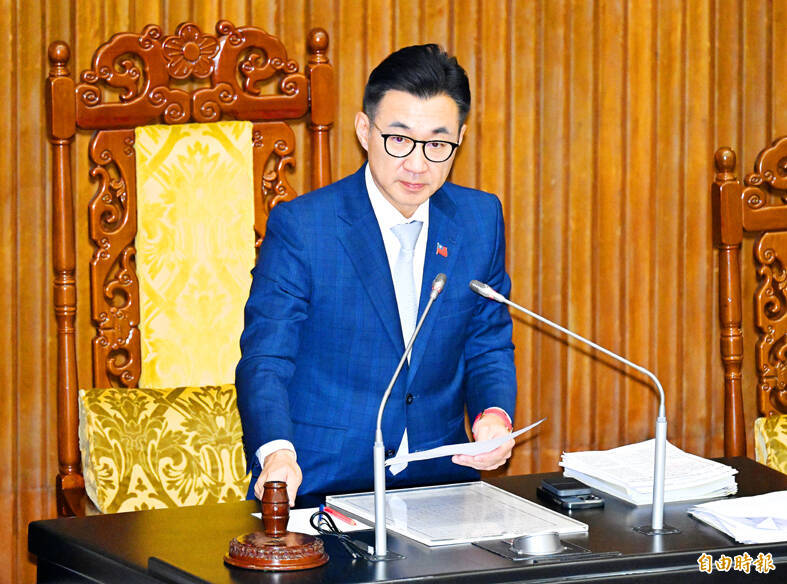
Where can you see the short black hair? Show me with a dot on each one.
(423, 71)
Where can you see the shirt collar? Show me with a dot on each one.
(388, 215)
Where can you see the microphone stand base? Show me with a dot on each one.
(648, 530)
(387, 557)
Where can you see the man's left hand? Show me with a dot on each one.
(486, 428)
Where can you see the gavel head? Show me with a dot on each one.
(275, 508)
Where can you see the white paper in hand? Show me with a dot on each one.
(469, 448)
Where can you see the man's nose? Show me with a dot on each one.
(416, 162)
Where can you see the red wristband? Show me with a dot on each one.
(495, 412)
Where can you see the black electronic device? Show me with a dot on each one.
(569, 493)
(571, 502)
(565, 486)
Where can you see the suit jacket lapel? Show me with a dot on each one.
(360, 236)
(443, 230)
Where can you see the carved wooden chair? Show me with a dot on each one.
(156, 85)
(758, 205)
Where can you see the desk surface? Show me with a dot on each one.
(117, 548)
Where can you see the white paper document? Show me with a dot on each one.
(460, 513)
(627, 473)
(759, 519)
(300, 522)
(470, 448)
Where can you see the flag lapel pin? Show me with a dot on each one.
(442, 250)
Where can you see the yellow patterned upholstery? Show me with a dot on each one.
(155, 448)
(194, 249)
(770, 441)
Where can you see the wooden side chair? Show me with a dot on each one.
(191, 147)
(758, 205)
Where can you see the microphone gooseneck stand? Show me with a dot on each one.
(657, 526)
(380, 534)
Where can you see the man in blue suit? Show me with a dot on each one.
(342, 276)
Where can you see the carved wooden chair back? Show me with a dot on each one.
(139, 79)
(757, 205)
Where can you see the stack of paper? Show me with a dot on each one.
(760, 519)
(627, 473)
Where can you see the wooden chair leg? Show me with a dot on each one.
(70, 495)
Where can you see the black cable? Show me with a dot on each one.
(324, 524)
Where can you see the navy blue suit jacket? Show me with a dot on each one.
(322, 337)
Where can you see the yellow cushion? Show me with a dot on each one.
(156, 448)
(194, 249)
(770, 441)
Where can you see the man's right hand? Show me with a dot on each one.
(280, 465)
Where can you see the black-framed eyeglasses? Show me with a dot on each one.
(400, 146)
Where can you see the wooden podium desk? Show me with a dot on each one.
(187, 545)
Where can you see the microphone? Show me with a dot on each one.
(437, 286)
(380, 533)
(657, 526)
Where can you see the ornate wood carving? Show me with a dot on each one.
(140, 70)
(114, 287)
(771, 319)
(240, 73)
(757, 205)
(270, 179)
(765, 209)
(771, 167)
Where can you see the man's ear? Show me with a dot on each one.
(362, 129)
(462, 133)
